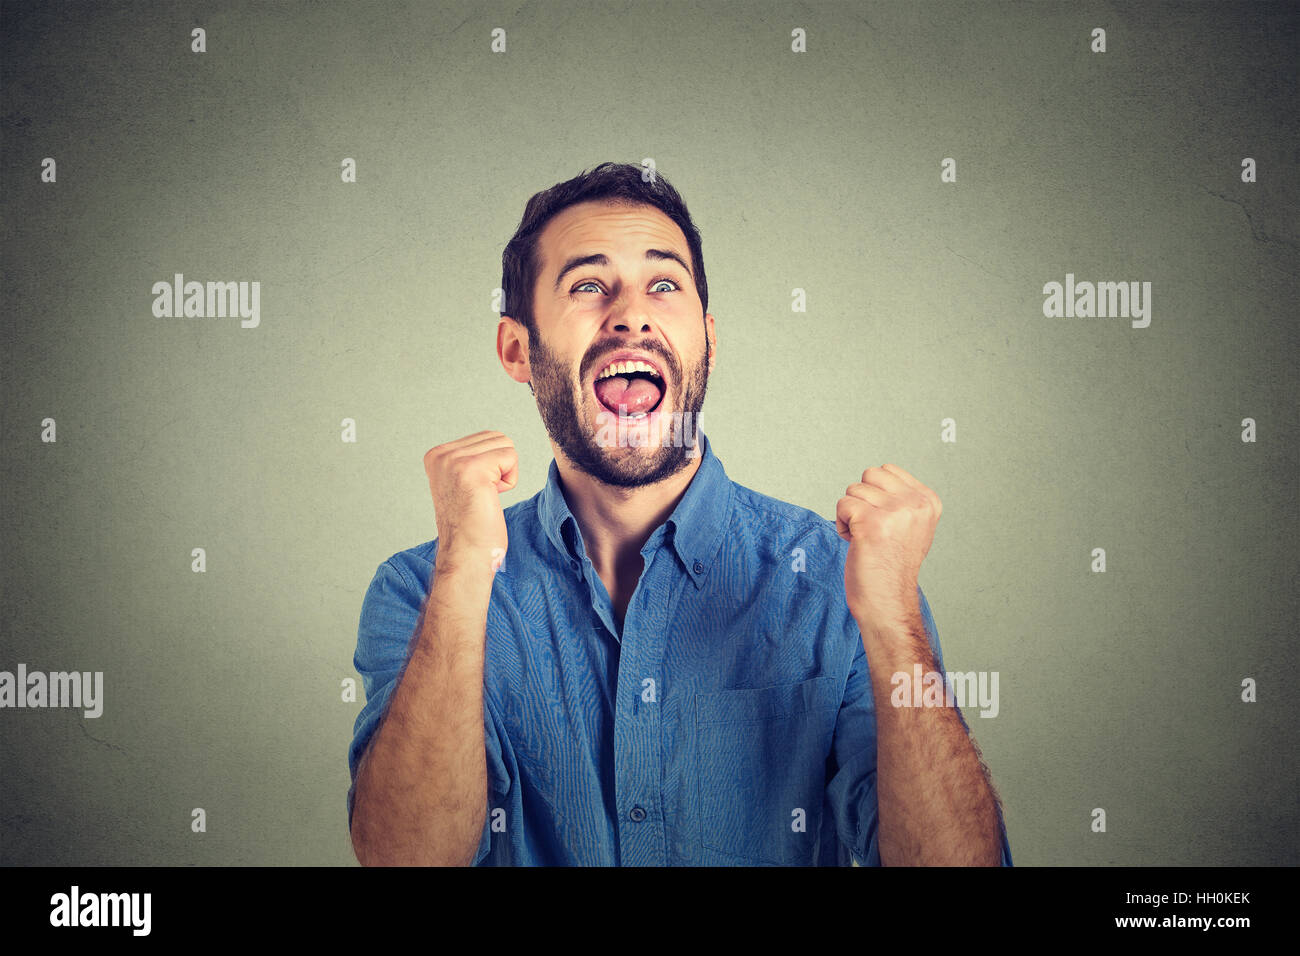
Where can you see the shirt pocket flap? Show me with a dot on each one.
(762, 703)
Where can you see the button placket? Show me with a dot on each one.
(637, 727)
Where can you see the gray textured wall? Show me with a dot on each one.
(816, 170)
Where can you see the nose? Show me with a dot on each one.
(624, 324)
(629, 314)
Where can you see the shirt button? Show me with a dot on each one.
(699, 567)
(636, 814)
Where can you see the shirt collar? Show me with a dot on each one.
(695, 526)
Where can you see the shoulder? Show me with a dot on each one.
(796, 536)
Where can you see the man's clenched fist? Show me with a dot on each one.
(888, 518)
(466, 478)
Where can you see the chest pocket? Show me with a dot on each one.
(760, 759)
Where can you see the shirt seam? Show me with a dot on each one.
(712, 546)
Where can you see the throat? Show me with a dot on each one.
(621, 583)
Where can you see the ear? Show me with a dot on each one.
(512, 349)
(713, 341)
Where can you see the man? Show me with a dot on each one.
(646, 663)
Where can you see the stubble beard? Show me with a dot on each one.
(569, 424)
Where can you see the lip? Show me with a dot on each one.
(633, 356)
(629, 356)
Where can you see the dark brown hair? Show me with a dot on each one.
(609, 182)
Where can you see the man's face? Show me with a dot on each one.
(586, 313)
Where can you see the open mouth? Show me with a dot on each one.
(630, 389)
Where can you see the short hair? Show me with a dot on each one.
(609, 182)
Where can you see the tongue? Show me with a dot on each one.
(638, 395)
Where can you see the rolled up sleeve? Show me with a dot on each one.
(390, 614)
(851, 790)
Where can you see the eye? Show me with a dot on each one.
(592, 282)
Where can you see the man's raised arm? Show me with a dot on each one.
(421, 786)
(936, 805)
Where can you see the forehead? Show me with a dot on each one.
(615, 229)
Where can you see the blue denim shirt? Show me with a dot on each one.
(730, 722)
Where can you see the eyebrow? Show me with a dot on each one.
(600, 259)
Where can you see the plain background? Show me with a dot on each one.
(817, 171)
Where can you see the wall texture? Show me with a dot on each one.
(924, 341)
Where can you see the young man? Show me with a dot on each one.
(646, 663)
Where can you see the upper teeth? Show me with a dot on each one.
(623, 368)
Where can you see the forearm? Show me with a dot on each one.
(936, 806)
(421, 789)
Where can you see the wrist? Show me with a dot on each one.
(467, 562)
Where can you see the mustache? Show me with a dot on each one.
(666, 361)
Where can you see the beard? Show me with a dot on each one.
(564, 406)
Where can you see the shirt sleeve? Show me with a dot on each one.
(390, 613)
(498, 790)
(851, 790)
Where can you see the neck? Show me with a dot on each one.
(616, 522)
